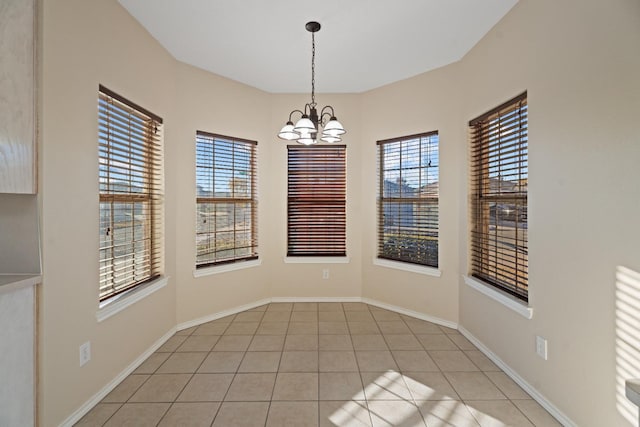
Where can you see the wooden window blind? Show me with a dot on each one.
(499, 174)
(316, 204)
(130, 185)
(226, 187)
(408, 191)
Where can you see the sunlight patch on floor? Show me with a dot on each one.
(351, 414)
(390, 403)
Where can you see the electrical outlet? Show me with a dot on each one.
(541, 347)
(325, 273)
(85, 353)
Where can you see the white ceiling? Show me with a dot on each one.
(363, 44)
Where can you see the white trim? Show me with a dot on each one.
(96, 398)
(537, 396)
(316, 260)
(316, 299)
(503, 298)
(13, 282)
(411, 313)
(224, 268)
(120, 302)
(406, 266)
(224, 313)
(400, 310)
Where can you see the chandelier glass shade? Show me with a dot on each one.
(307, 128)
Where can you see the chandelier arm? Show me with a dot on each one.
(291, 113)
(323, 116)
(329, 107)
(323, 113)
(308, 127)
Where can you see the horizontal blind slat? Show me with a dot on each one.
(130, 176)
(226, 183)
(498, 178)
(316, 201)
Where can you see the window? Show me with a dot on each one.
(316, 203)
(226, 228)
(408, 199)
(499, 172)
(130, 182)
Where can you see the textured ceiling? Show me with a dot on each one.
(363, 44)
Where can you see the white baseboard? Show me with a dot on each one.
(407, 312)
(219, 315)
(89, 404)
(249, 306)
(537, 396)
(316, 299)
(373, 302)
(96, 398)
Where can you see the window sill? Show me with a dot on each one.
(505, 299)
(413, 268)
(118, 303)
(224, 268)
(316, 260)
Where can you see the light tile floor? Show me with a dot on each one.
(318, 364)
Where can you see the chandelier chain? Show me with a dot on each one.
(313, 70)
(307, 130)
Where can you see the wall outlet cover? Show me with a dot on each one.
(85, 353)
(541, 347)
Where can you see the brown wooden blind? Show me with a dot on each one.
(408, 199)
(226, 186)
(499, 174)
(316, 200)
(130, 184)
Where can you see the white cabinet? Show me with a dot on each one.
(19, 275)
(17, 359)
(17, 96)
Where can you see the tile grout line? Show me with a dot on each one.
(236, 370)
(194, 372)
(266, 418)
(318, 342)
(122, 404)
(415, 403)
(205, 358)
(412, 402)
(382, 318)
(364, 395)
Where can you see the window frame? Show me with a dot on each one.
(431, 198)
(203, 137)
(129, 147)
(490, 151)
(308, 166)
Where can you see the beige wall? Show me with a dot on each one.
(213, 104)
(85, 44)
(305, 280)
(425, 103)
(579, 62)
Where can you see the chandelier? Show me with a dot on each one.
(306, 129)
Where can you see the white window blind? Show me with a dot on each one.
(130, 184)
(499, 178)
(226, 187)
